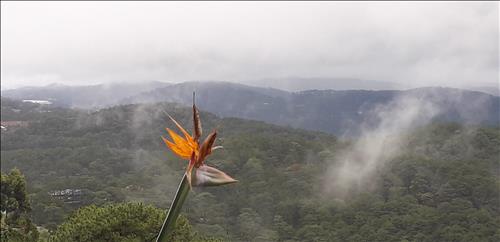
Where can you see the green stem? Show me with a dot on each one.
(175, 209)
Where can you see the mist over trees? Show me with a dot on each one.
(441, 186)
(338, 112)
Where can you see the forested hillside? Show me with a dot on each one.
(338, 112)
(442, 186)
(332, 111)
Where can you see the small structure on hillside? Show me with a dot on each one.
(68, 195)
(13, 124)
(44, 102)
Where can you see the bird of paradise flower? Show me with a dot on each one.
(198, 174)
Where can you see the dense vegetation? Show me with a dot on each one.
(339, 112)
(15, 224)
(443, 187)
(119, 222)
(112, 222)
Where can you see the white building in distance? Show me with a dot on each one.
(38, 101)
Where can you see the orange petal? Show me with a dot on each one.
(181, 142)
(186, 134)
(176, 150)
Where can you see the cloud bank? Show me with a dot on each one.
(415, 43)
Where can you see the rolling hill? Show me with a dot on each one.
(441, 185)
(335, 112)
(339, 112)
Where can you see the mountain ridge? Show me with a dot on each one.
(340, 112)
(310, 109)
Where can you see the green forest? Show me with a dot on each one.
(81, 175)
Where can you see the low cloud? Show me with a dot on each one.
(382, 138)
(414, 44)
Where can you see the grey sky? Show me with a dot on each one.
(418, 43)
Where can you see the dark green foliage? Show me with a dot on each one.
(15, 224)
(443, 187)
(13, 193)
(119, 222)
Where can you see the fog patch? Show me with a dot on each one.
(383, 137)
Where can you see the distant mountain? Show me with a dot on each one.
(94, 96)
(223, 98)
(294, 84)
(340, 112)
(337, 112)
(493, 90)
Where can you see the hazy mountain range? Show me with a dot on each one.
(92, 96)
(341, 112)
(295, 84)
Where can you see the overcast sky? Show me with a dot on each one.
(419, 43)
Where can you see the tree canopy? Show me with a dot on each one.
(119, 222)
(442, 187)
(15, 222)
